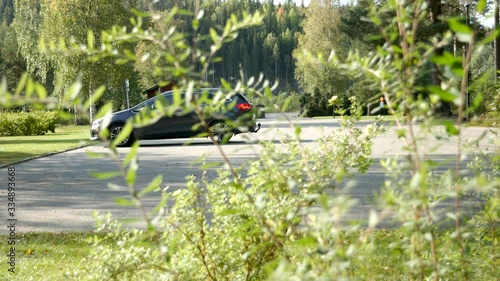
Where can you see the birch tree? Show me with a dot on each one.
(82, 21)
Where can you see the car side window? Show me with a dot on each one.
(165, 99)
(205, 98)
(217, 95)
(146, 105)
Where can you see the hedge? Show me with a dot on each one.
(27, 123)
(315, 104)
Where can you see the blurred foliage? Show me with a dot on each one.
(283, 102)
(280, 216)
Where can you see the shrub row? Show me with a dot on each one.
(279, 101)
(315, 105)
(27, 123)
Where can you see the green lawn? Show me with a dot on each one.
(56, 256)
(44, 256)
(13, 149)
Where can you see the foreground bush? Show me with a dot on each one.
(28, 123)
(280, 216)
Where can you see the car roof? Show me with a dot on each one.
(199, 90)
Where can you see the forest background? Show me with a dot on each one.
(272, 49)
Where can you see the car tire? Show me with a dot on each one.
(115, 130)
(221, 132)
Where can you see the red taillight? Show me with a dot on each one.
(244, 106)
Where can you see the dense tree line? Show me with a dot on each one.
(267, 49)
(273, 49)
(331, 25)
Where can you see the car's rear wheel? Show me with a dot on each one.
(221, 132)
(115, 130)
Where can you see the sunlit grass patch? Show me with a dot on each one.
(17, 148)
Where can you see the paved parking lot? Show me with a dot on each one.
(56, 193)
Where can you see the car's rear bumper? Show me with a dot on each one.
(250, 129)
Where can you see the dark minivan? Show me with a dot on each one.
(225, 114)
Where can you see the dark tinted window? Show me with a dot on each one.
(166, 99)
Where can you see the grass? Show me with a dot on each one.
(491, 120)
(484, 121)
(17, 148)
(55, 256)
(363, 118)
(45, 256)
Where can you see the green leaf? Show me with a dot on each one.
(131, 154)
(122, 61)
(298, 130)
(139, 13)
(225, 84)
(41, 91)
(177, 98)
(30, 88)
(416, 181)
(154, 185)
(125, 133)
(477, 100)
(442, 94)
(74, 90)
(268, 93)
(445, 59)
(401, 133)
(490, 38)
(95, 97)
(227, 28)
(130, 55)
(286, 104)
(132, 173)
(480, 6)
(195, 24)
(463, 32)
(306, 241)
(90, 39)
(97, 154)
(124, 202)
(21, 84)
(213, 35)
(105, 175)
(104, 110)
(450, 128)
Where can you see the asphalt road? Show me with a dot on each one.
(56, 193)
